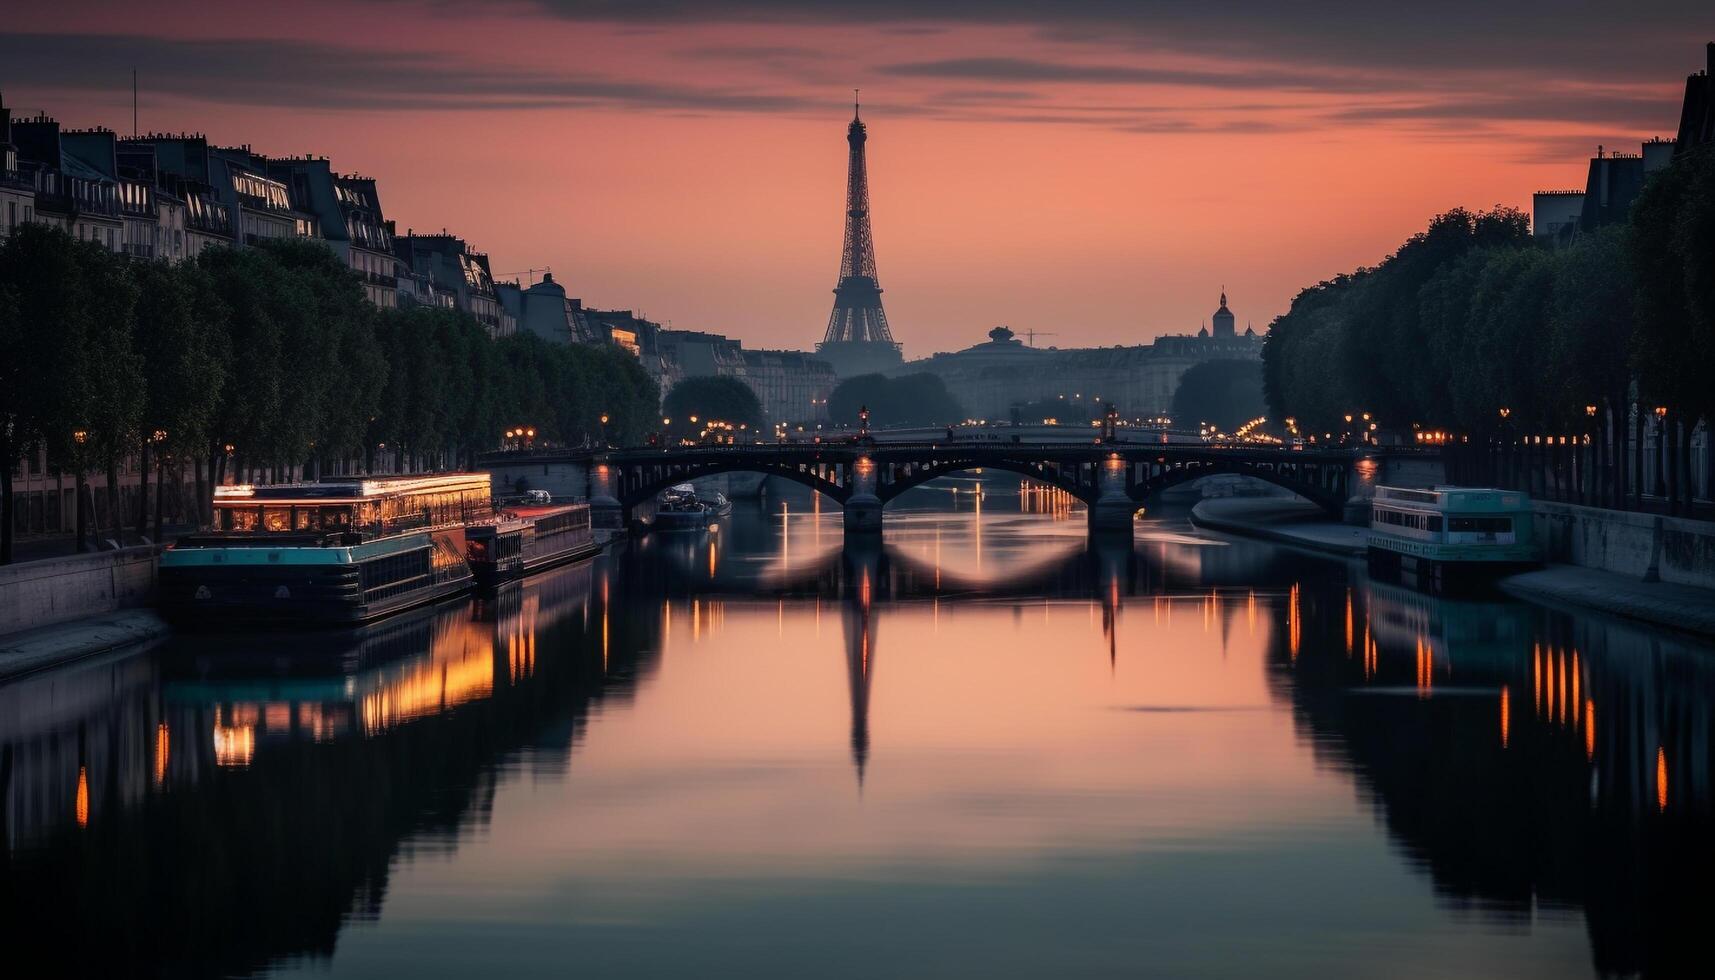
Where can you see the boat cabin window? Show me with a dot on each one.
(1494, 525)
(1420, 522)
(276, 519)
(240, 518)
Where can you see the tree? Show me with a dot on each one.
(59, 362)
(1226, 393)
(252, 289)
(711, 398)
(352, 368)
(177, 331)
(1672, 247)
(914, 399)
(17, 422)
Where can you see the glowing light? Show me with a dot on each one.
(163, 746)
(234, 745)
(1661, 778)
(1348, 622)
(1506, 714)
(82, 802)
(1590, 729)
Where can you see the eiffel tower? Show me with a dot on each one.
(858, 339)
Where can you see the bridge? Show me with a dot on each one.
(1113, 478)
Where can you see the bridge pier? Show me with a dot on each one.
(606, 513)
(863, 515)
(1111, 512)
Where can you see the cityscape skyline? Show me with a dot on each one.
(1116, 130)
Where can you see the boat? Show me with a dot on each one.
(681, 508)
(329, 553)
(1427, 531)
(529, 536)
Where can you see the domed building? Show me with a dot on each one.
(990, 377)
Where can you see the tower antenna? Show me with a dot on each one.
(854, 103)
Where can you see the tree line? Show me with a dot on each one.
(1474, 327)
(909, 400)
(251, 363)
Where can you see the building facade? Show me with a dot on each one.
(347, 215)
(545, 310)
(456, 271)
(992, 379)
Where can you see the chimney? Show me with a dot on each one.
(1709, 57)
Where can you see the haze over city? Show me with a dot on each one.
(1100, 175)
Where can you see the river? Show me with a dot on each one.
(980, 747)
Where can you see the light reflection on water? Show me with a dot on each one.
(986, 747)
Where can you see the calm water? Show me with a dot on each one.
(980, 749)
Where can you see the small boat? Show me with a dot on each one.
(1425, 532)
(337, 552)
(529, 536)
(680, 508)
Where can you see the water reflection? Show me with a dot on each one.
(1121, 755)
(1516, 809)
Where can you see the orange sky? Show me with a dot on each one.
(1098, 173)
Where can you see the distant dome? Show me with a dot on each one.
(1000, 335)
(1203, 332)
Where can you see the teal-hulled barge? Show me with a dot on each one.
(329, 553)
(1477, 530)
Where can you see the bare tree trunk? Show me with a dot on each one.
(203, 491)
(1686, 488)
(1709, 457)
(113, 510)
(8, 452)
(1638, 436)
(160, 485)
(143, 490)
(82, 515)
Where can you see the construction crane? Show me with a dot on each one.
(520, 276)
(1031, 335)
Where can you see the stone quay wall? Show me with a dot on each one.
(1643, 546)
(56, 590)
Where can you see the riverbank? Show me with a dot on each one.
(1300, 524)
(1284, 520)
(62, 643)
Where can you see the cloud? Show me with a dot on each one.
(304, 74)
(1004, 69)
(1523, 106)
(1566, 36)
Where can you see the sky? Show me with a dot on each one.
(1096, 172)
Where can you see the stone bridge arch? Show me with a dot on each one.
(895, 479)
(1320, 482)
(640, 484)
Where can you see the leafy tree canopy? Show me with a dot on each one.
(911, 400)
(1225, 393)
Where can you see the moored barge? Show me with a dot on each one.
(321, 554)
(1424, 532)
(529, 537)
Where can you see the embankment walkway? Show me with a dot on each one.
(1301, 524)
